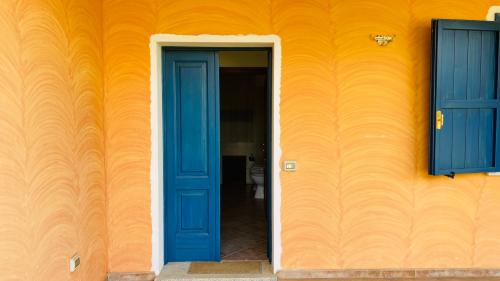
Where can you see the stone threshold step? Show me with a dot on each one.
(180, 271)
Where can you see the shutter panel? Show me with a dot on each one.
(464, 119)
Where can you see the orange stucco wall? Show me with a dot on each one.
(52, 192)
(354, 116)
(75, 135)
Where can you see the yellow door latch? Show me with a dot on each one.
(439, 120)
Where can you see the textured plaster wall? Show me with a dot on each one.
(52, 191)
(75, 135)
(354, 116)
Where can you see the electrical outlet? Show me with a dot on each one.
(74, 262)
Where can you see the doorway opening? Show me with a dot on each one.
(244, 147)
(158, 42)
(198, 156)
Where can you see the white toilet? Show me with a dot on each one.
(257, 174)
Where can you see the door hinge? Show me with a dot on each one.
(439, 120)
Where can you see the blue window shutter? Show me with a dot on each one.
(464, 96)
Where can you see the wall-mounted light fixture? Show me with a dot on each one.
(383, 40)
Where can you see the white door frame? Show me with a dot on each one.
(158, 41)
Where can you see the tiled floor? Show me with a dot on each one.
(243, 224)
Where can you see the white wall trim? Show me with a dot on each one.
(156, 42)
(491, 13)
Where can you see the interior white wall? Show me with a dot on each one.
(243, 59)
(158, 41)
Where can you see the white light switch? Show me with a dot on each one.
(290, 165)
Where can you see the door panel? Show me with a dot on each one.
(191, 142)
(269, 157)
(192, 118)
(464, 89)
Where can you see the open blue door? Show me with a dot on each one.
(269, 156)
(191, 155)
(464, 117)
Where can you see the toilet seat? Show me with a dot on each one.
(257, 174)
(256, 170)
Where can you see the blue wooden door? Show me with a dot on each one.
(464, 97)
(269, 157)
(191, 158)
